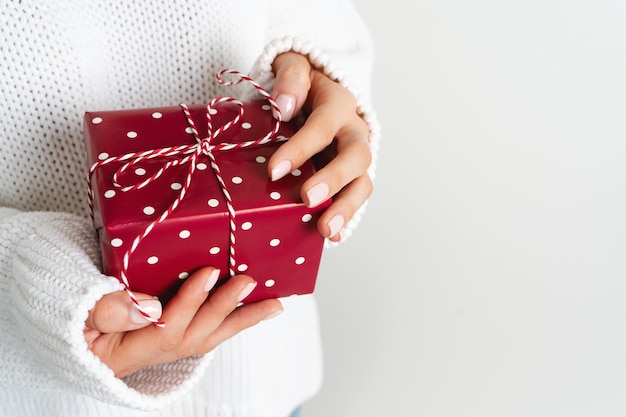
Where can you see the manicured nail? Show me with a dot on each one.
(317, 194)
(246, 291)
(286, 103)
(335, 224)
(280, 170)
(274, 314)
(151, 307)
(211, 280)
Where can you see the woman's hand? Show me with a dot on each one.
(332, 128)
(195, 322)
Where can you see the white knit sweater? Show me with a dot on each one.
(63, 57)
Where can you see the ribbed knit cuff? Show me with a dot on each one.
(263, 74)
(49, 267)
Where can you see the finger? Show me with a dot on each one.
(183, 306)
(220, 304)
(157, 345)
(291, 83)
(332, 222)
(146, 347)
(116, 312)
(332, 107)
(353, 157)
(240, 319)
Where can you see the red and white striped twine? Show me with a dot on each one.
(182, 155)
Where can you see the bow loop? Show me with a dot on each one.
(188, 155)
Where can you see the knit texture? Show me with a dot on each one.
(65, 57)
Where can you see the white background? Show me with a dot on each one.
(488, 277)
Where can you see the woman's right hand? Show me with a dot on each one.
(196, 322)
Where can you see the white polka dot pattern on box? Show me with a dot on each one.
(276, 257)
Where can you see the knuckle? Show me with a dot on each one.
(103, 315)
(362, 188)
(364, 155)
(219, 300)
(222, 304)
(365, 190)
(296, 151)
(368, 186)
(349, 99)
(170, 344)
(325, 134)
(296, 75)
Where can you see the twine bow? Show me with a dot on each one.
(187, 154)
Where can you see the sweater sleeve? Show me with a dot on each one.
(49, 280)
(336, 41)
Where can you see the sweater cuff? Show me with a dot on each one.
(54, 280)
(263, 74)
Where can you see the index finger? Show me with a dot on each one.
(291, 83)
(330, 107)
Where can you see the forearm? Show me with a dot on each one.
(49, 280)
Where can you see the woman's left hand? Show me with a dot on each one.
(332, 128)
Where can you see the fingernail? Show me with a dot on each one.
(335, 224)
(152, 308)
(317, 194)
(246, 291)
(280, 170)
(211, 280)
(274, 314)
(286, 103)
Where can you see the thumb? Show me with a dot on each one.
(116, 312)
(292, 83)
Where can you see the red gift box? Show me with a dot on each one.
(161, 212)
